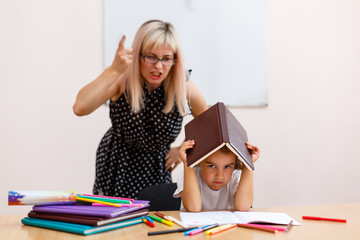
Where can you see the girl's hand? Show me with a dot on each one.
(123, 57)
(254, 151)
(182, 151)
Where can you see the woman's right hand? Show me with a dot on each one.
(106, 86)
(123, 57)
(182, 151)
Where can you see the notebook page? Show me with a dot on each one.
(265, 217)
(207, 218)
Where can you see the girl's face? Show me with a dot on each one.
(155, 73)
(217, 169)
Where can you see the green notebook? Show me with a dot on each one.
(78, 228)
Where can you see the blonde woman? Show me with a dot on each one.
(149, 96)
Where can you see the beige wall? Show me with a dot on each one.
(309, 134)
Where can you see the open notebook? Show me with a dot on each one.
(225, 217)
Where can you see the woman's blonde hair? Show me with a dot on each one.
(152, 34)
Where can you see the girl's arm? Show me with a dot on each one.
(244, 195)
(106, 86)
(190, 194)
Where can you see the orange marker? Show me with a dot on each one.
(220, 229)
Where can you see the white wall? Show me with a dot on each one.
(309, 134)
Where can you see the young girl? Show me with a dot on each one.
(218, 182)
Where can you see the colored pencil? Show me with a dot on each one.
(104, 199)
(288, 226)
(89, 195)
(252, 226)
(325, 219)
(96, 201)
(170, 231)
(220, 229)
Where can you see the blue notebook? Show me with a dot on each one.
(78, 228)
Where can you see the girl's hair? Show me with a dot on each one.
(152, 34)
(238, 163)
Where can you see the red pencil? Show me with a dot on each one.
(325, 219)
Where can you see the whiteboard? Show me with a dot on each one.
(224, 42)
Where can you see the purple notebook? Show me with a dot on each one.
(100, 211)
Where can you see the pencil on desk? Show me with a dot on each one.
(121, 205)
(288, 226)
(101, 196)
(106, 199)
(170, 231)
(220, 229)
(96, 201)
(325, 219)
(280, 229)
(251, 226)
(201, 229)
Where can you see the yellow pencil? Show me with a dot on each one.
(97, 201)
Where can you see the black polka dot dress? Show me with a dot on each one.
(131, 155)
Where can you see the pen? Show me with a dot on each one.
(254, 226)
(96, 201)
(163, 216)
(148, 222)
(201, 229)
(220, 229)
(161, 220)
(170, 231)
(177, 222)
(326, 219)
(288, 226)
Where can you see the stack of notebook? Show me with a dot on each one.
(87, 218)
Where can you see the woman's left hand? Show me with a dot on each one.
(172, 159)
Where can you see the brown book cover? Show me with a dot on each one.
(86, 220)
(211, 130)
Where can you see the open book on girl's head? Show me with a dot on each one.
(213, 129)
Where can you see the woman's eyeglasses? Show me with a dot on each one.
(153, 60)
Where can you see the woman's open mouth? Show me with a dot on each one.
(156, 75)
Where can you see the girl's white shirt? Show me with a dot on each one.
(212, 200)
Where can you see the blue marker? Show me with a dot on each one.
(200, 229)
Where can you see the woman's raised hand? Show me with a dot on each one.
(123, 57)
